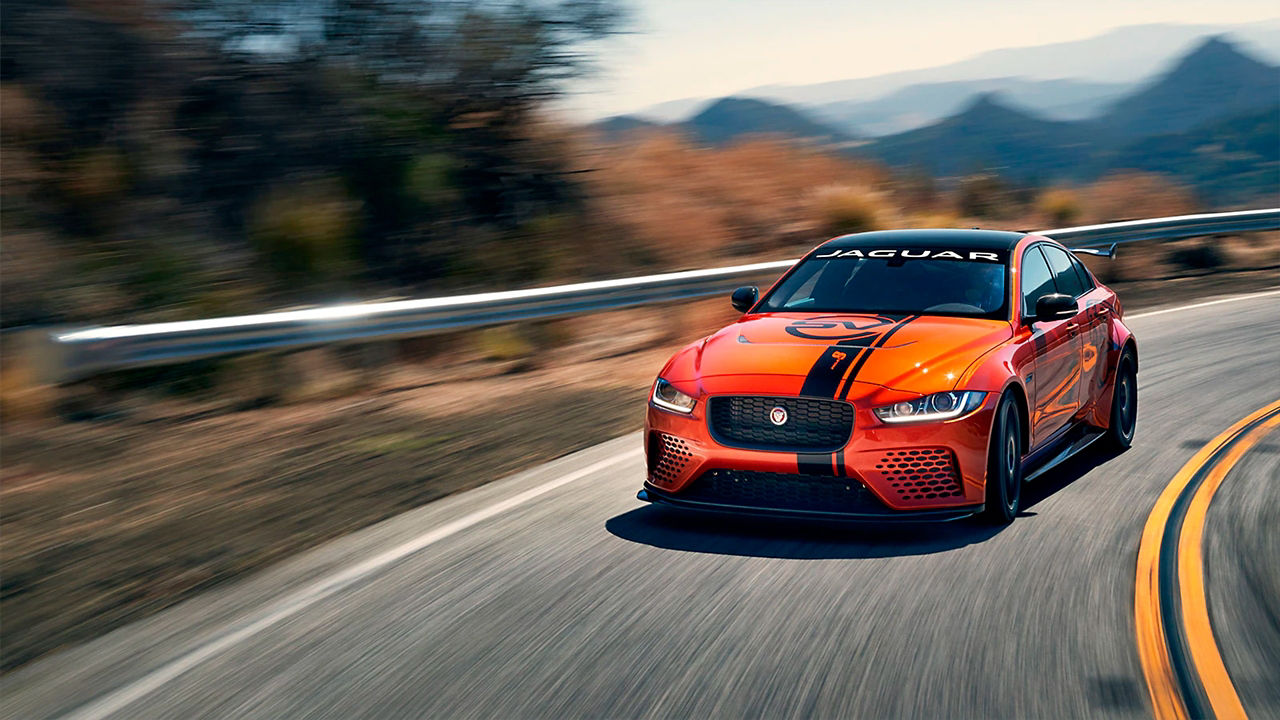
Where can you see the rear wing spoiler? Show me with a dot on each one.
(1108, 253)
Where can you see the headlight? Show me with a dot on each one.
(668, 398)
(939, 406)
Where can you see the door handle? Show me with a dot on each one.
(1072, 327)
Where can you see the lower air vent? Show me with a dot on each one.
(783, 491)
(921, 473)
(668, 458)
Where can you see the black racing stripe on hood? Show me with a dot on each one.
(824, 376)
(862, 358)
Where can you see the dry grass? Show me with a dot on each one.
(109, 520)
(1060, 206)
(693, 207)
(675, 204)
(1133, 195)
(841, 210)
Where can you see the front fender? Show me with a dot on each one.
(995, 369)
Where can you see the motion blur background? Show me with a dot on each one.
(179, 160)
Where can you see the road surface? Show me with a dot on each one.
(555, 594)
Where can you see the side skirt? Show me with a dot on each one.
(1059, 451)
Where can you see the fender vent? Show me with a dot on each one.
(668, 458)
(921, 473)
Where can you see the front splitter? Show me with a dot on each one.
(651, 494)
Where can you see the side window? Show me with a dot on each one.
(1037, 280)
(1067, 277)
(1086, 280)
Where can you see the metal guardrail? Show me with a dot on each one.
(1167, 228)
(65, 355)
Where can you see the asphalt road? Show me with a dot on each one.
(527, 600)
(1242, 563)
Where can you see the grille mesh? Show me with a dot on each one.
(783, 491)
(812, 425)
(668, 458)
(921, 473)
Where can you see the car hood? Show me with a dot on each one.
(777, 352)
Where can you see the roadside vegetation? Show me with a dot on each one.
(198, 159)
(183, 158)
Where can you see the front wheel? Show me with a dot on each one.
(1124, 405)
(1004, 465)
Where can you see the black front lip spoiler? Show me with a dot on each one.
(658, 497)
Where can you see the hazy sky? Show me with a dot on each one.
(704, 48)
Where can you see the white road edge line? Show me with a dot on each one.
(295, 602)
(1207, 303)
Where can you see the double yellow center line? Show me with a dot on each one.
(1184, 670)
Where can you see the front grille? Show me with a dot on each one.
(783, 491)
(922, 473)
(812, 425)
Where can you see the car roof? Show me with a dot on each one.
(943, 237)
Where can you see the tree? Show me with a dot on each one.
(181, 130)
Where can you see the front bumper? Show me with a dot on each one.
(930, 471)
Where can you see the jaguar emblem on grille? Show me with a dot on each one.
(778, 416)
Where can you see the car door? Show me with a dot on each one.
(1072, 279)
(1055, 386)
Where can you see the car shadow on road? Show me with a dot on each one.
(688, 531)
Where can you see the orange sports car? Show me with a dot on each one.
(908, 374)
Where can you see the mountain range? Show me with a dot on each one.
(1211, 119)
(1124, 56)
(1233, 159)
(728, 118)
(988, 135)
(731, 118)
(919, 105)
(1214, 81)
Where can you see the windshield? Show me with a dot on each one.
(916, 281)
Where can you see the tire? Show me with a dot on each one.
(1124, 405)
(1004, 465)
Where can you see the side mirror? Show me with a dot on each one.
(744, 297)
(1054, 306)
